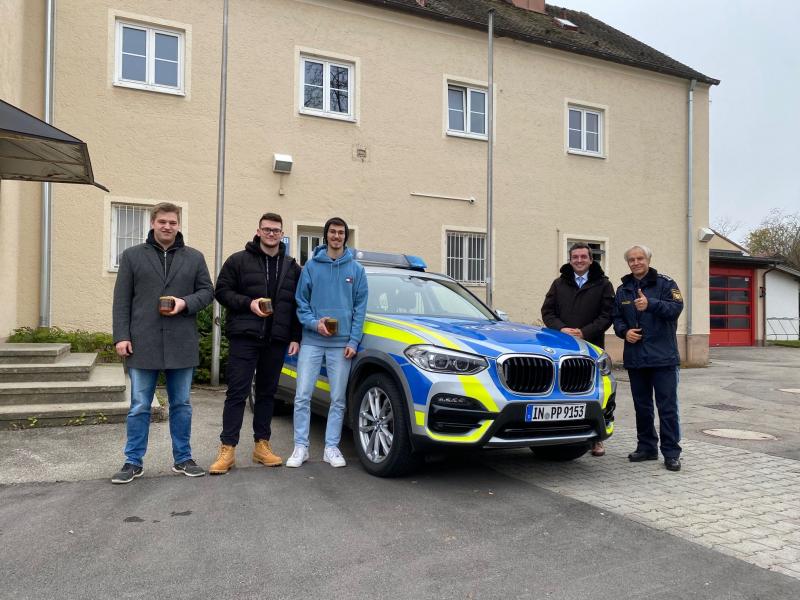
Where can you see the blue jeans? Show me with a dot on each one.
(308, 365)
(143, 387)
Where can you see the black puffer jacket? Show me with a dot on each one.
(243, 278)
(588, 308)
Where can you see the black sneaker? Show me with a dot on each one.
(188, 468)
(127, 473)
(672, 463)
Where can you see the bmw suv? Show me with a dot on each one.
(436, 367)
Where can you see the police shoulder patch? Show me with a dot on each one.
(676, 295)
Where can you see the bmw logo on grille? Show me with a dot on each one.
(548, 350)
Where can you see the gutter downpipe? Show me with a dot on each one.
(690, 221)
(764, 303)
(223, 95)
(47, 187)
(489, 164)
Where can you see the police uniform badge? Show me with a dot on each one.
(676, 295)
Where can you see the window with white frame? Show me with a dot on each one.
(327, 87)
(308, 239)
(466, 256)
(585, 130)
(466, 111)
(149, 58)
(129, 226)
(598, 250)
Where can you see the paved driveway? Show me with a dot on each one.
(469, 526)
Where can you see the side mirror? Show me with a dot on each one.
(502, 314)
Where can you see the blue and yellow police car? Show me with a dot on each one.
(437, 367)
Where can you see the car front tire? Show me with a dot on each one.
(380, 428)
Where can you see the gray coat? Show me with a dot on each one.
(160, 342)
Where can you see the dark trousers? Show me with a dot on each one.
(663, 381)
(247, 356)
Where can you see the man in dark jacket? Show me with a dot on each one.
(258, 340)
(646, 310)
(580, 302)
(151, 340)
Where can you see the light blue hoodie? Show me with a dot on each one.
(332, 288)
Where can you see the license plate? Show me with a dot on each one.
(555, 412)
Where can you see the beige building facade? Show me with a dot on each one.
(383, 114)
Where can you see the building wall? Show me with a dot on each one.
(782, 299)
(21, 84)
(149, 147)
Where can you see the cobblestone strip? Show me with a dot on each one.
(744, 504)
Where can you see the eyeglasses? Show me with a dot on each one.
(271, 230)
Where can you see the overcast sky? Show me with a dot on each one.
(753, 46)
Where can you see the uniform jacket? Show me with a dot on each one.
(588, 308)
(244, 277)
(659, 346)
(160, 342)
(333, 288)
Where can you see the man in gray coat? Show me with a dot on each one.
(161, 286)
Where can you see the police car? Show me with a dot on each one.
(436, 367)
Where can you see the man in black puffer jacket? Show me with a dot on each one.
(580, 303)
(258, 341)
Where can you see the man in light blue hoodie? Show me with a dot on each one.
(331, 305)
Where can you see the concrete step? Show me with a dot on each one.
(11, 354)
(31, 416)
(71, 367)
(106, 383)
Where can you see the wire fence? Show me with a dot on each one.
(783, 328)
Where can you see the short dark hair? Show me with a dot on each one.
(339, 222)
(579, 246)
(270, 216)
(165, 207)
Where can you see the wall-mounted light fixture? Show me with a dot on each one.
(704, 234)
(282, 163)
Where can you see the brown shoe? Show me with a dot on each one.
(226, 459)
(598, 449)
(262, 453)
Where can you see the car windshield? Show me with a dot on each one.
(414, 294)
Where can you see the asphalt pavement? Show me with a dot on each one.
(477, 525)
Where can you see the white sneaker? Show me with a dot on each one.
(298, 457)
(333, 457)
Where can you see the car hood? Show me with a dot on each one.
(489, 338)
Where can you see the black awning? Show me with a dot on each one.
(32, 150)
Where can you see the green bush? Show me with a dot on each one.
(204, 321)
(79, 340)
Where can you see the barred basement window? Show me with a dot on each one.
(466, 256)
(129, 226)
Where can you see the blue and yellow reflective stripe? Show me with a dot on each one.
(323, 385)
(427, 331)
(464, 439)
(610, 428)
(606, 389)
(391, 333)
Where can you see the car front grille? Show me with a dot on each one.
(527, 374)
(576, 374)
(522, 430)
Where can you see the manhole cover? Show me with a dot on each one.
(739, 434)
(728, 407)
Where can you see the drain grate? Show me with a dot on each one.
(727, 407)
(739, 434)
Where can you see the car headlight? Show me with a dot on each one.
(604, 364)
(443, 360)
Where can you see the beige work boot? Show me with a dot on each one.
(226, 459)
(262, 453)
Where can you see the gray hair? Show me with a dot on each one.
(647, 252)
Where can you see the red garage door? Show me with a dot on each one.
(732, 314)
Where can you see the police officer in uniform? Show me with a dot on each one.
(646, 310)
